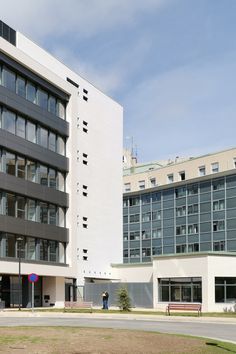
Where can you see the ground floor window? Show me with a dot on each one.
(225, 289)
(180, 289)
(11, 292)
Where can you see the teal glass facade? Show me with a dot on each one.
(191, 217)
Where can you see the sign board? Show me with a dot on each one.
(33, 278)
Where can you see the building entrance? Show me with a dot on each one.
(10, 294)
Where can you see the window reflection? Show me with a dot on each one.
(43, 250)
(60, 109)
(31, 132)
(10, 163)
(31, 248)
(35, 94)
(21, 86)
(43, 175)
(42, 99)
(31, 209)
(52, 214)
(20, 167)
(20, 127)
(52, 105)
(26, 129)
(20, 207)
(52, 141)
(9, 79)
(31, 92)
(43, 214)
(8, 121)
(31, 171)
(43, 137)
(10, 204)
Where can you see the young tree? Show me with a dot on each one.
(123, 299)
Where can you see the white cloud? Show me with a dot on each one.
(186, 110)
(80, 20)
(113, 77)
(80, 17)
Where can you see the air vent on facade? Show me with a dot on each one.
(72, 82)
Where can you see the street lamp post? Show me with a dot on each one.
(19, 240)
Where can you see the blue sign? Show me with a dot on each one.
(33, 278)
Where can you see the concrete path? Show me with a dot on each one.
(209, 327)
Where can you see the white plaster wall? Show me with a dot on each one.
(102, 175)
(219, 266)
(55, 288)
(40, 269)
(171, 267)
(134, 273)
(103, 178)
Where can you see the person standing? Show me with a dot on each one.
(106, 300)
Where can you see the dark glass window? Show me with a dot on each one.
(60, 145)
(61, 109)
(20, 167)
(52, 178)
(20, 127)
(180, 192)
(31, 171)
(156, 197)
(43, 212)
(10, 163)
(31, 92)
(134, 235)
(225, 289)
(43, 175)
(134, 218)
(9, 79)
(52, 104)
(52, 141)
(193, 189)
(180, 290)
(43, 137)
(145, 199)
(20, 207)
(52, 214)
(53, 251)
(21, 86)
(31, 132)
(9, 121)
(31, 210)
(42, 99)
(134, 201)
(10, 246)
(10, 204)
(44, 250)
(218, 184)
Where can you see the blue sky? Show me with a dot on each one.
(170, 63)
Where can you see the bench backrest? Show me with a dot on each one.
(184, 306)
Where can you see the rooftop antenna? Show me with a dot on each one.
(136, 152)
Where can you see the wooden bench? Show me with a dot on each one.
(78, 305)
(184, 307)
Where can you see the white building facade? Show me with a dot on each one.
(61, 176)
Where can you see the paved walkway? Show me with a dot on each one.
(125, 316)
(220, 328)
